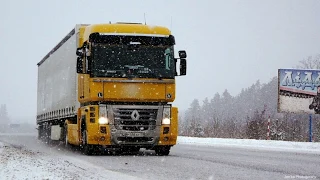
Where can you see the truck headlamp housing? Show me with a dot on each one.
(103, 120)
(165, 121)
(103, 114)
(166, 116)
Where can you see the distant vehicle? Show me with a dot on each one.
(111, 86)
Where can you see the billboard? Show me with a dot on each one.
(299, 91)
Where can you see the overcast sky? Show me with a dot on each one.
(230, 43)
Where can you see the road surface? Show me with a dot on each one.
(187, 161)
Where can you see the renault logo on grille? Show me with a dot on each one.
(135, 115)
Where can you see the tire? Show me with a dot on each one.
(66, 143)
(87, 149)
(40, 133)
(47, 135)
(162, 150)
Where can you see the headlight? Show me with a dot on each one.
(166, 121)
(103, 114)
(103, 120)
(166, 115)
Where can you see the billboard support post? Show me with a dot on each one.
(310, 127)
(299, 92)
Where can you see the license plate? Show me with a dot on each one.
(135, 134)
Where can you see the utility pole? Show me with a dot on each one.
(310, 128)
(268, 132)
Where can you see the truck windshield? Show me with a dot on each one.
(132, 61)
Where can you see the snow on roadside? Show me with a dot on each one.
(306, 147)
(18, 134)
(18, 163)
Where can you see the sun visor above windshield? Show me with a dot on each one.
(127, 39)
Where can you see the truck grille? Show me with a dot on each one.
(135, 119)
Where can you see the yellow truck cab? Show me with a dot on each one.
(111, 86)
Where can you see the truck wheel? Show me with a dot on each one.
(66, 143)
(162, 150)
(47, 135)
(40, 133)
(87, 149)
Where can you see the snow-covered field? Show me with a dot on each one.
(305, 147)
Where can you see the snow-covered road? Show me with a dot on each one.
(24, 157)
(17, 161)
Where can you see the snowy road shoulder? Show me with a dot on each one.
(19, 163)
(305, 147)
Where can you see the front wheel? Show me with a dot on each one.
(162, 150)
(87, 149)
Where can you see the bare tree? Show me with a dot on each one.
(311, 62)
(4, 114)
(193, 118)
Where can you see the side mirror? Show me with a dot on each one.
(182, 54)
(79, 65)
(183, 67)
(172, 40)
(79, 52)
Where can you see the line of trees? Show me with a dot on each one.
(4, 119)
(246, 115)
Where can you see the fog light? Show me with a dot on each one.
(102, 138)
(103, 130)
(166, 139)
(165, 130)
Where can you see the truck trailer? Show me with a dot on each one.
(111, 86)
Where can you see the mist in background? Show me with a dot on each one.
(230, 44)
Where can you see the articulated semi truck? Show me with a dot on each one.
(111, 86)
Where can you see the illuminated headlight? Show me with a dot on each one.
(166, 121)
(103, 114)
(103, 120)
(166, 115)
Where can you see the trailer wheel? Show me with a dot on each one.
(87, 149)
(39, 132)
(162, 150)
(66, 143)
(47, 134)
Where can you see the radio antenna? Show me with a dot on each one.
(145, 20)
